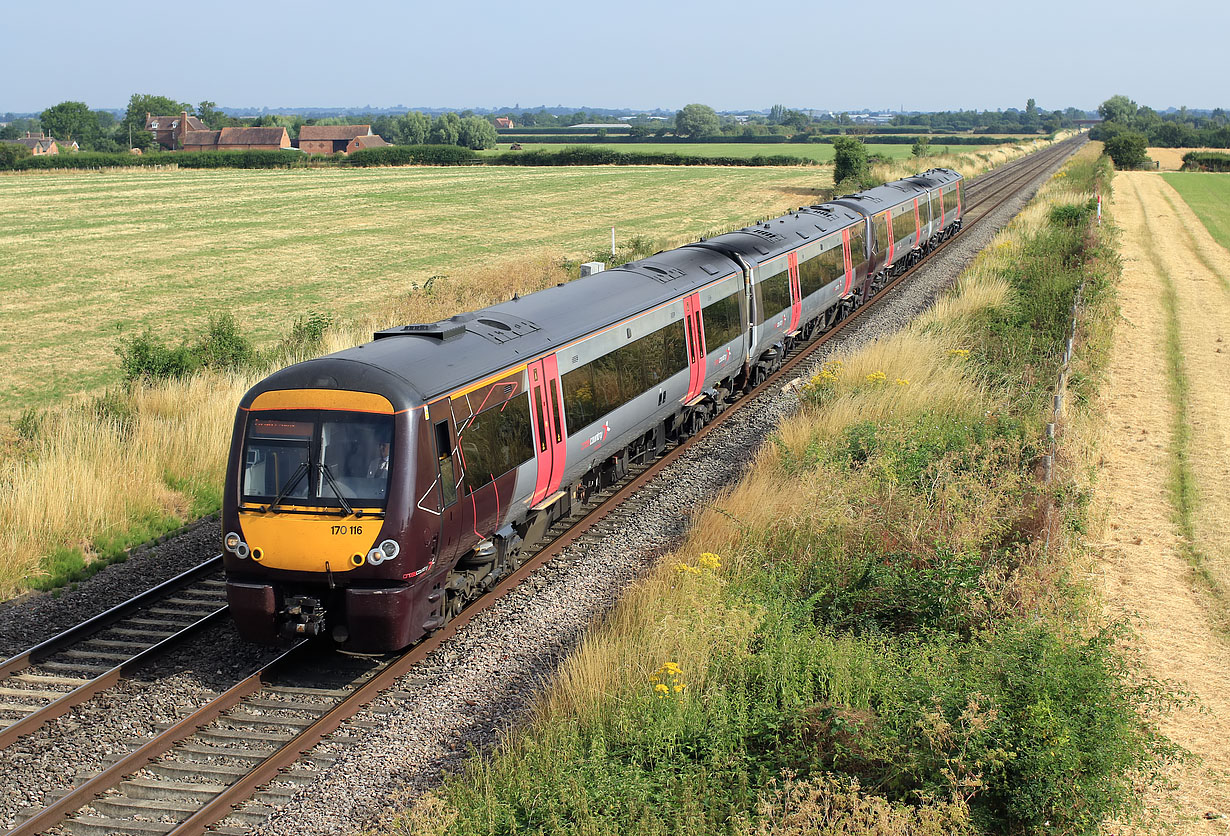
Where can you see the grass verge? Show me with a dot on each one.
(879, 630)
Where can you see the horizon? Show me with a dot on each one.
(717, 52)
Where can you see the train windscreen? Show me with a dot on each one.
(314, 458)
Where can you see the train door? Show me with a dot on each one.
(448, 472)
(550, 434)
(845, 253)
(694, 327)
(796, 295)
(918, 228)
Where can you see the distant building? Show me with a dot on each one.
(329, 139)
(169, 131)
(504, 122)
(41, 145)
(237, 139)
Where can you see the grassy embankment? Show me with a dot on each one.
(94, 251)
(879, 630)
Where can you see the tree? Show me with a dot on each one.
(1127, 149)
(849, 162)
(776, 113)
(922, 146)
(446, 130)
(71, 121)
(796, 119)
(697, 120)
(208, 113)
(1119, 109)
(10, 153)
(411, 129)
(476, 133)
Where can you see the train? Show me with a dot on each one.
(371, 494)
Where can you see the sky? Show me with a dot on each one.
(643, 54)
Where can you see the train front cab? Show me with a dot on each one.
(321, 535)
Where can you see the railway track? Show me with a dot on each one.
(238, 748)
(47, 680)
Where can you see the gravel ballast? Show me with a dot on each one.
(471, 690)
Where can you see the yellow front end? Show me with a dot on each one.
(310, 544)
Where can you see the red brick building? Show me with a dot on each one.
(329, 139)
(169, 131)
(40, 146)
(237, 139)
(504, 122)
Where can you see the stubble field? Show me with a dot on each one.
(89, 257)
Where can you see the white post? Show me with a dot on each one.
(612, 244)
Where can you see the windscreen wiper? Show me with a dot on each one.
(324, 468)
(294, 480)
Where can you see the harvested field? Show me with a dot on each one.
(89, 256)
(1171, 159)
(1147, 559)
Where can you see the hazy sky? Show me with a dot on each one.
(922, 55)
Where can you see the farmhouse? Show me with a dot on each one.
(504, 122)
(169, 131)
(237, 139)
(328, 139)
(40, 146)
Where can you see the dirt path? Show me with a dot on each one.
(1144, 567)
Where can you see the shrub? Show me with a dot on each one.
(146, 357)
(849, 160)
(1127, 150)
(11, 153)
(412, 155)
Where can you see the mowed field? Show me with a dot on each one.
(87, 257)
(817, 151)
(1209, 197)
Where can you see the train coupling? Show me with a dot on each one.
(302, 616)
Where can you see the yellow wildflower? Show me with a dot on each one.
(877, 377)
(661, 688)
(958, 352)
(901, 381)
(680, 687)
(683, 567)
(710, 560)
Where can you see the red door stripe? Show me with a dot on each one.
(543, 446)
(695, 332)
(888, 222)
(796, 302)
(917, 226)
(559, 432)
(845, 252)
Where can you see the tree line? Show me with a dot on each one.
(1129, 129)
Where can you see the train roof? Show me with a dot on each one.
(899, 191)
(412, 364)
(770, 239)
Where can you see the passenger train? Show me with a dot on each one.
(372, 493)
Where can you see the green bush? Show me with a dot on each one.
(1206, 161)
(413, 155)
(146, 357)
(1127, 149)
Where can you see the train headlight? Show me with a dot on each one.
(390, 549)
(375, 557)
(231, 542)
(242, 551)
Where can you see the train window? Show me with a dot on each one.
(444, 455)
(317, 458)
(774, 296)
(903, 224)
(820, 270)
(542, 421)
(559, 425)
(858, 247)
(950, 201)
(610, 381)
(495, 441)
(723, 321)
(880, 225)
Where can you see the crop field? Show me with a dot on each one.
(89, 257)
(818, 151)
(1209, 197)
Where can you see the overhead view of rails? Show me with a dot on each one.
(378, 499)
